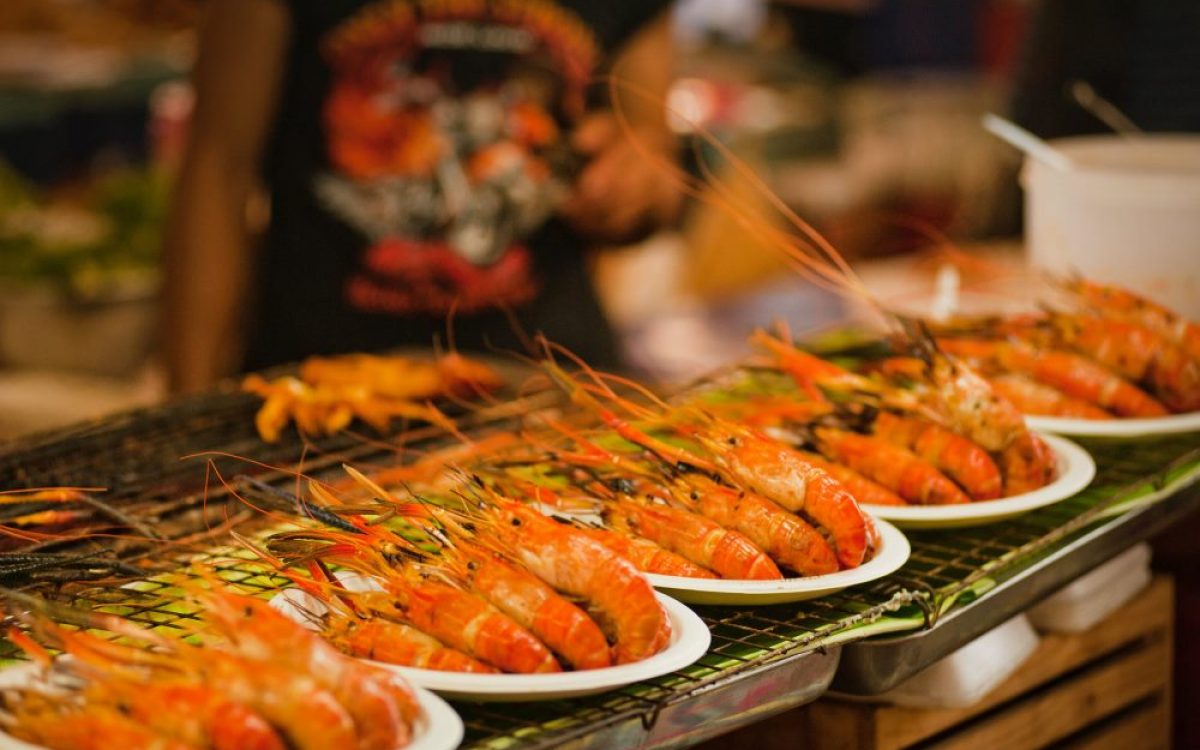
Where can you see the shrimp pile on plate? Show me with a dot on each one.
(688, 492)
(493, 586)
(920, 430)
(1112, 355)
(263, 682)
(330, 392)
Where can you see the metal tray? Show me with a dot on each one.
(746, 697)
(873, 666)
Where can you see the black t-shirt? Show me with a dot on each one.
(417, 156)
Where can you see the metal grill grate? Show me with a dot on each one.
(137, 456)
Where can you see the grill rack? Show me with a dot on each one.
(746, 642)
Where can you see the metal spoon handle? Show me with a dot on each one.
(1102, 109)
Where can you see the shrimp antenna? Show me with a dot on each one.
(601, 378)
(305, 508)
(581, 393)
(450, 315)
(311, 586)
(367, 483)
(811, 255)
(518, 330)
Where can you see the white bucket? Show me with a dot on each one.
(1127, 213)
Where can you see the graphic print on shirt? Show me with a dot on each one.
(444, 127)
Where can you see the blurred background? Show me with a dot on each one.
(853, 112)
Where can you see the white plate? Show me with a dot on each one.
(1117, 428)
(890, 555)
(690, 639)
(1075, 471)
(439, 727)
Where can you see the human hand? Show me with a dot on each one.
(621, 195)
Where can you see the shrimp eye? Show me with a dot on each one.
(247, 612)
(695, 495)
(472, 565)
(733, 441)
(623, 486)
(516, 522)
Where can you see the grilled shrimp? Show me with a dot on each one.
(196, 714)
(561, 625)
(1032, 397)
(647, 556)
(1072, 374)
(575, 564)
(957, 397)
(724, 551)
(941, 390)
(1163, 365)
(1115, 303)
(788, 539)
(959, 458)
(470, 624)
(1027, 464)
(382, 706)
(895, 468)
(751, 460)
(865, 491)
(774, 471)
(963, 401)
(308, 714)
(164, 708)
(752, 524)
(396, 643)
(1131, 350)
(41, 721)
(426, 599)
(782, 475)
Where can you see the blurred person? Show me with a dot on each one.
(424, 159)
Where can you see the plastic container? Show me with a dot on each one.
(1127, 213)
(1081, 605)
(967, 675)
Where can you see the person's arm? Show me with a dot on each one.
(207, 262)
(620, 194)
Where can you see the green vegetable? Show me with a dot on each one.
(114, 233)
